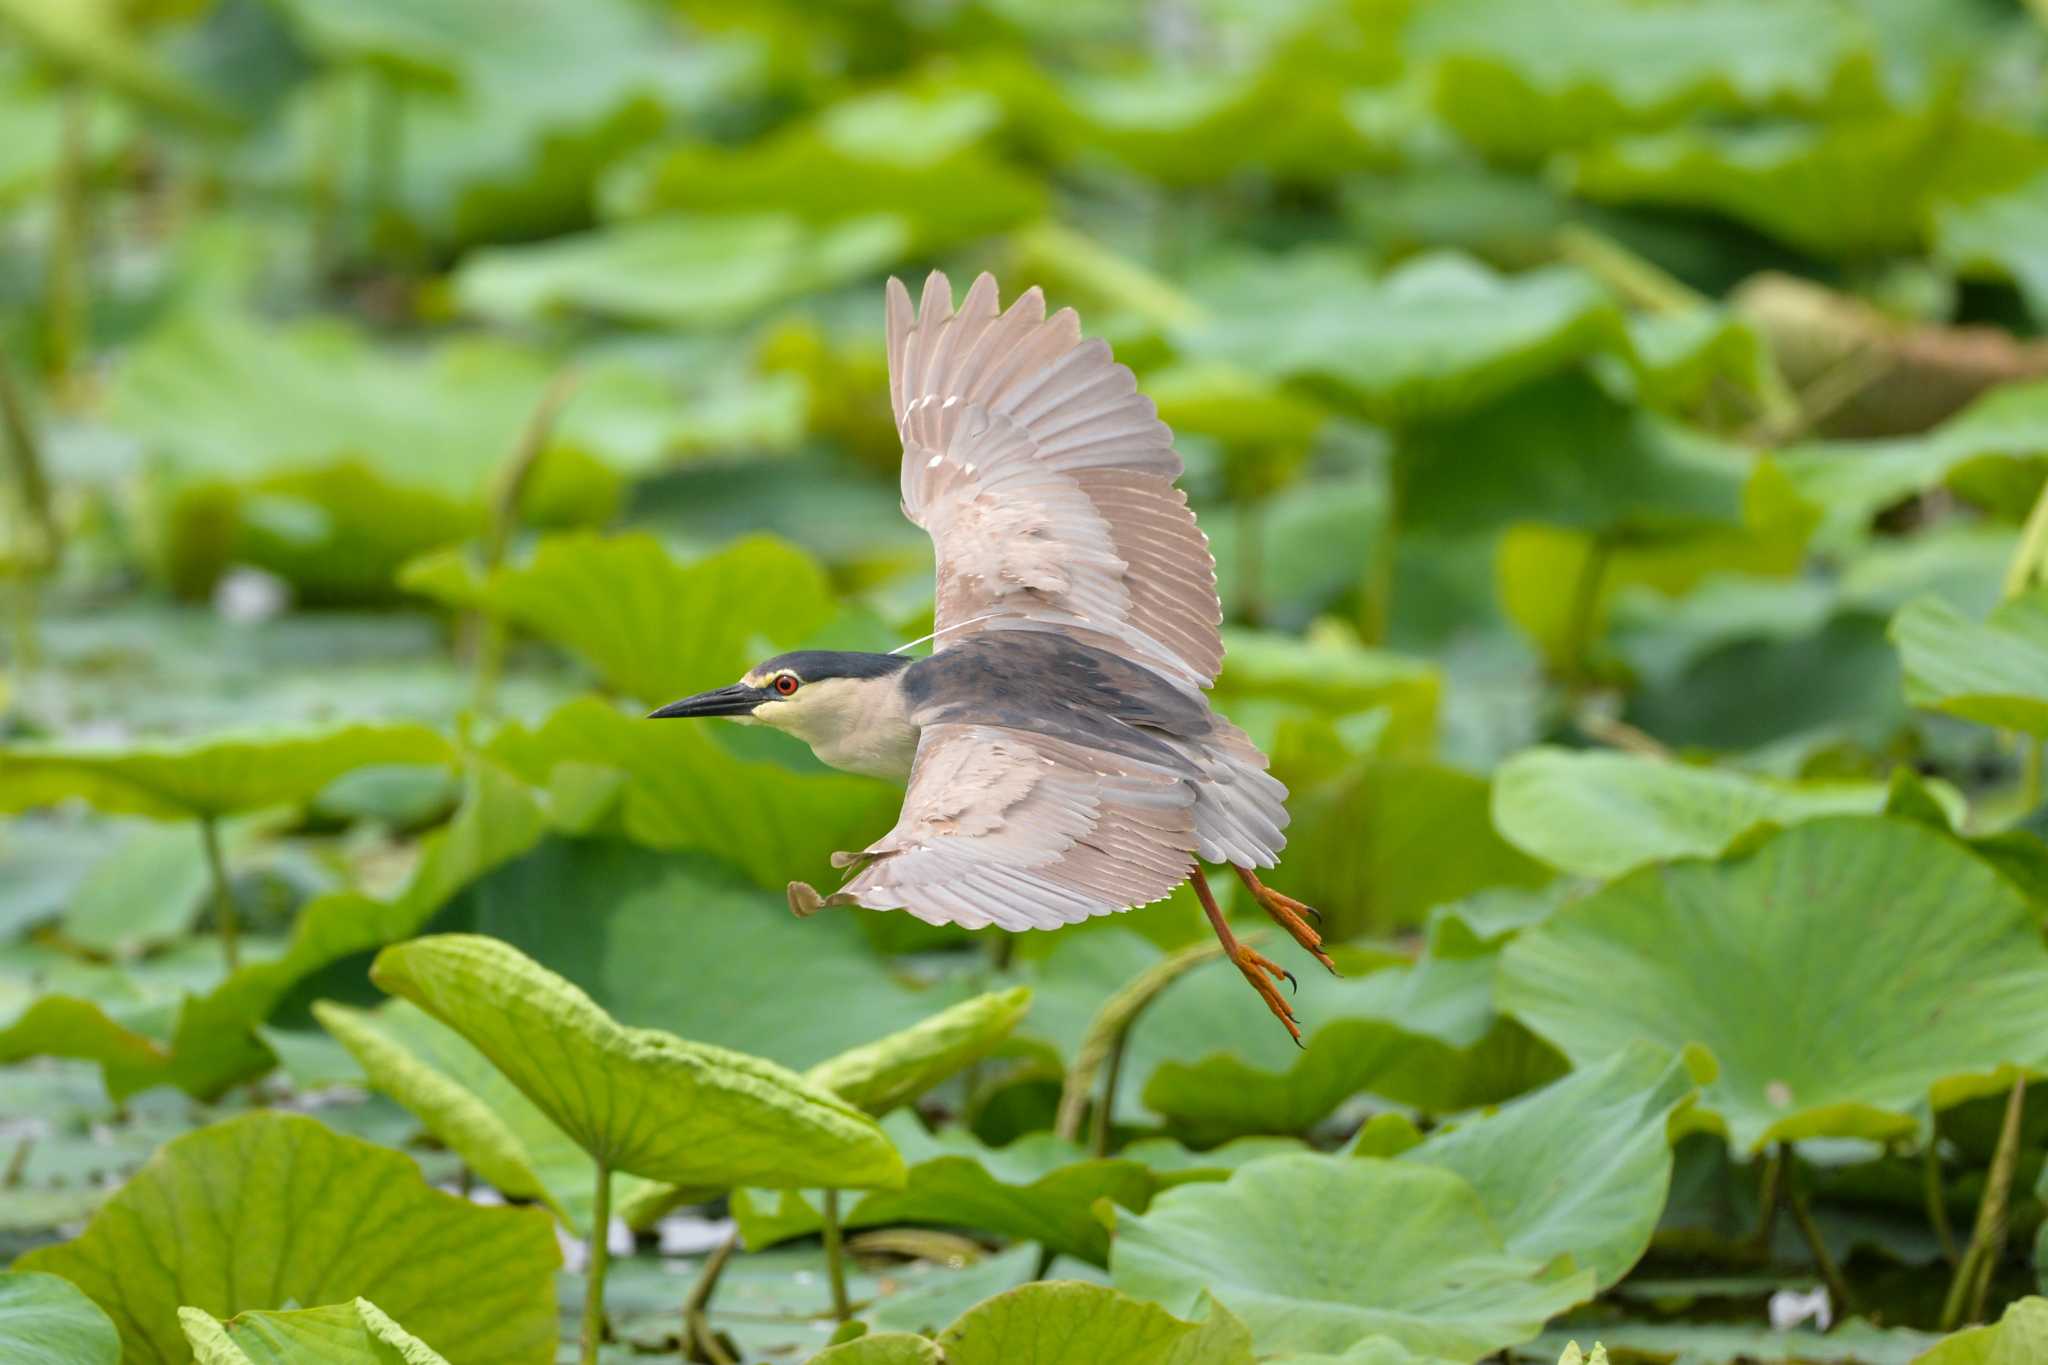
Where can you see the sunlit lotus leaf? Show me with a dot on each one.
(1328, 675)
(1994, 672)
(301, 1214)
(883, 1348)
(1934, 992)
(638, 1100)
(1316, 1252)
(471, 1106)
(207, 778)
(1600, 813)
(1436, 334)
(694, 271)
(355, 1333)
(1506, 84)
(43, 1317)
(1580, 1167)
(655, 628)
(892, 1071)
(2020, 1335)
(1064, 1322)
(1857, 187)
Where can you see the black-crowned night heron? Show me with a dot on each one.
(1062, 758)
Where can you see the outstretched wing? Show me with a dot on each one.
(1025, 831)
(1046, 482)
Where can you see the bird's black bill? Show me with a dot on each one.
(737, 700)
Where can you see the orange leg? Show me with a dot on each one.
(1258, 969)
(1290, 914)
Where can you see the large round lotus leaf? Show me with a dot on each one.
(1580, 1167)
(1316, 1253)
(356, 1333)
(44, 1317)
(639, 1100)
(271, 1210)
(1844, 975)
(211, 777)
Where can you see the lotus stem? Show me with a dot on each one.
(64, 301)
(31, 483)
(697, 1333)
(1768, 1199)
(1104, 1042)
(501, 521)
(600, 1262)
(835, 1259)
(1937, 1199)
(223, 892)
(1795, 1200)
(2030, 558)
(1972, 1282)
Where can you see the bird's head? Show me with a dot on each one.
(818, 695)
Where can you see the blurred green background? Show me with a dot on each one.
(1575, 393)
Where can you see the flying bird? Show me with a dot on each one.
(1061, 755)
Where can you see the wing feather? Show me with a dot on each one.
(1026, 831)
(1046, 481)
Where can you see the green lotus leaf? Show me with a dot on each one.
(694, 271)
(1327, 675)
(1936, 988)
(1316, 1252)
(2001, 236)
(851, 163)
(1437, 334)
(1598, 814)
(1563, 452)
(654, 628)
(1063, 1322)
(149, 891)
(207, 778)
(2019, 1336)
(892, 1071)
(342, 1334)
(1994, 672)
(1039, 1188)
(269, 1210)
(686, 791)
(1853, 1339)
(1578, 1168)
(1851, 188)
(2001, 437)
(1507, 85)
(45, 1317)
(474, 1109)
(638, 1100)
(883, 1348)
(1422, 1035)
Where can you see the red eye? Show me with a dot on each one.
(785, 684)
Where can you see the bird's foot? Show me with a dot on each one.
(1290, 914)
(804, 900)
(1266, 976)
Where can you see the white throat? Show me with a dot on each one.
(858, 725)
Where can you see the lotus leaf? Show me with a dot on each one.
(217, 776)
(1994, 672)
(268, 1210)
(1580, 1168)
(344, 1334)
(1600, 814)
(1934, 991)
(1315, 1253)
(638, 1100)
(45, 1317)
(654, 629)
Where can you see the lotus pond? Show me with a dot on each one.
(1622, 431)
